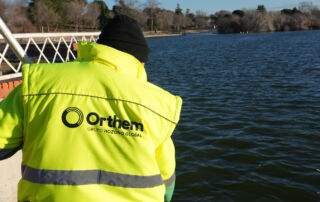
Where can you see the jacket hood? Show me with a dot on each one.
(111, 57)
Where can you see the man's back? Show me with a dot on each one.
(94, 128)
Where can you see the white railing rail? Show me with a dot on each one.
(41, 42)
(4, 30)
(40, 47)
(55, 34)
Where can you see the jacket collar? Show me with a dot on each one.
(111, 57)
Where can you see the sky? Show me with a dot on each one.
(212, 6)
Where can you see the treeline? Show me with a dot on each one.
(80, 15)
(306, 17)
(53, 15)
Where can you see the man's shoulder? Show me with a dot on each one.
(39, 66)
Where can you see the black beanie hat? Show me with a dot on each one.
(123, 33)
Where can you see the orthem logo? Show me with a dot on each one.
(72, 117)
(74, 123)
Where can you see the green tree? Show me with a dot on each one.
(239, 13)
(295, 10)
(290, 11)
(178, 10)
(286, 11)
(261, 8)
(187, 11)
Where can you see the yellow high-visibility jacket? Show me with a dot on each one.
(91, 130)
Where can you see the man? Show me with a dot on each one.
(93, 129)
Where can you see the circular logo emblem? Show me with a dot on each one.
(74, 124)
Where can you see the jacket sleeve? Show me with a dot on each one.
(165, 156)
(165, 153)
(11, 123)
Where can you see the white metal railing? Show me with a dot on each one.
(40, 47)
(40, 42)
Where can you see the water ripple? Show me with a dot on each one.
(249, 128)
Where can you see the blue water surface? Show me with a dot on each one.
(250, 122)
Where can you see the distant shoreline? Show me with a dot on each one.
(157, 35)
(168, 34)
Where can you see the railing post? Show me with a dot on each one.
(15, 46)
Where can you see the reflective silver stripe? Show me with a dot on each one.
(169, 181)
(85, 177)
(6, 153)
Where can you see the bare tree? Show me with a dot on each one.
(255, 21)
(151, 10)
(223, 22)
(141, 18)
(201, 19)
(16, 17)
(125, 7)
(152, 4)
(167, 18)
(299, 22)
(212, 21)
(48, 14)
(127, 3)
(228, 23)
(189, 18)
(188, 22)
(75, 12)
(313, 14)
(306, 7)
(44, 16)
(2, 8)
(269, 22)
(280, 21)
(178, 22)
(91, 14)
(128, 7)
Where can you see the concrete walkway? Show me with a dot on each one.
(10, 174)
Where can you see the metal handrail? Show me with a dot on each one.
(39, 42)
(16, 47)
(52, 35)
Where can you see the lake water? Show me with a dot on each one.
(250, 123)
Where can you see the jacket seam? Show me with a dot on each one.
(111, 99)
(176, 117)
